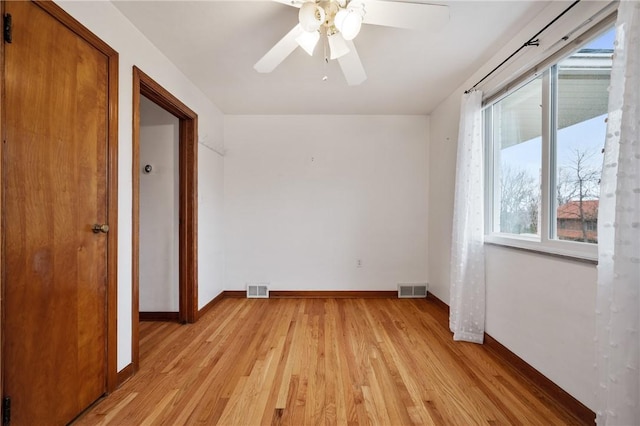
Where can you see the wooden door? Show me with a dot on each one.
(55, 188)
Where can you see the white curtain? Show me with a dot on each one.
(618, 303)
(467, 298)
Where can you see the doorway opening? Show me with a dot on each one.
(158, 213)
(146, 90)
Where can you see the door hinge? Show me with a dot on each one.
(6, 411)
(8, 32)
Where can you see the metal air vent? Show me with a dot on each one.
(412, 291)
(258, 291)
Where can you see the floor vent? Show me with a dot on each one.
(258, 291)
(412, 291)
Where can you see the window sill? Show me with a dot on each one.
(577, 252)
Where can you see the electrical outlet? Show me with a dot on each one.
(359, 263)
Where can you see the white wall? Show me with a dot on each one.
(442, 159)
(104, 20)
(210, 225)
(541, 308)
(307, 196)
(159, 209)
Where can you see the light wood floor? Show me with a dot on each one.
(320, 361)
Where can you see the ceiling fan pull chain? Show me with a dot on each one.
(326, 59)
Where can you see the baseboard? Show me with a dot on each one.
(555, 392)
(158, 316)
(295, 294)
(234, 294)
(206, 308)
(286, 294)
(124, 375)
(439, 303)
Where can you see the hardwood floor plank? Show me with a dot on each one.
(321, 361)
(315, 403)
(164, 405)
(282, 372)
(121, 406)
(288, 363)
(395, 375)
(335, 410)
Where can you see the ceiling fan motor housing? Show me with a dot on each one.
(334, 15)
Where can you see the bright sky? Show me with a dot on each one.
(605, 41)
(586, 136)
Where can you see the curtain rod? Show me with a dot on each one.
(533, 41)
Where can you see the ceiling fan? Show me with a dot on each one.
(340, 21)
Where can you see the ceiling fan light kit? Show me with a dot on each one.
(329, 18)
(340, 22)
(308, 41)
(349, 21)
(311, 16)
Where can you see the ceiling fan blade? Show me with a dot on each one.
(294, 3)
(279, 51)
(414, 16)
(351, 66)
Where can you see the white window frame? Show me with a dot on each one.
(544, 243)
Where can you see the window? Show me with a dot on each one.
(544, 144)
(517, 129)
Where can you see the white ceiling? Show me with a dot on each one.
(216, 44)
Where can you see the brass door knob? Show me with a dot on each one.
(104, 228)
